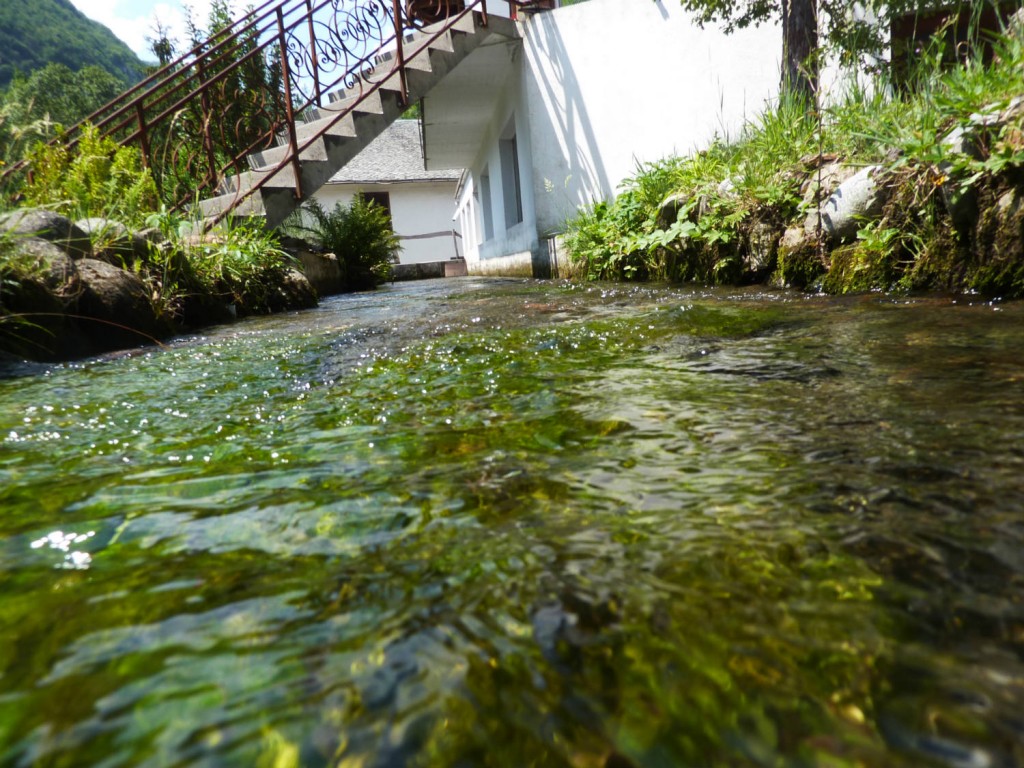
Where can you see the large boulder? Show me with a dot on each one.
(113, 242)
(115, 307)
(294, 292)
(47, 225)
(37, 324)
(858, 199)
(55, 270)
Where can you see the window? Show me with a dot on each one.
(383, 199)
(511, 191)
(485, 204)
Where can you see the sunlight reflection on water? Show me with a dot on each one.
(521, 522)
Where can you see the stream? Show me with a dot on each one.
(495, 522)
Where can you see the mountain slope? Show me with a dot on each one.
(34, 33)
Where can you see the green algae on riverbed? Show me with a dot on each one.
(511, 523)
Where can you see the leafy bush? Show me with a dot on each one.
(241, 263)
(714, 194)
(98, 178)
(359, 234)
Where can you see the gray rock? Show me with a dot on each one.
(113, 242)
(727, 188)
(295, 292)
(798, 238)
(43, 299)
(119, 303)
(762, 245)
(827, 179)
(856, 200)
(57, 271)
(48, 225)
(668, 211)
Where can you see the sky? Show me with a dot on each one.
(133, 20)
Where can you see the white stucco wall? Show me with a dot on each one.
(593, 90)
(417, 209)
(509, 118)
(612, 83)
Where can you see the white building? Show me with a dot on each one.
(391, 172)
(557, 118)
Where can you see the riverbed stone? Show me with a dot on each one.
(668, 211)
(113, 242)
(294, 292)
(761, 252)
(48, 225)
(120, 302)
(857, 200)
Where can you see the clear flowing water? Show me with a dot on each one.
(509, 523)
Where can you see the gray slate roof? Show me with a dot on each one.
(395, 155)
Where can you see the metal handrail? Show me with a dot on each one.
(329, 43)
(365, 91)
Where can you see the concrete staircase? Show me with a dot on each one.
(330, 136)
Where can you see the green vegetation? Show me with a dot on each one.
(719, 216)
(240, 263)
(359, 234)
(100, 178)
(34, 34)
(242, 104)
(190, 278)
(35, 107)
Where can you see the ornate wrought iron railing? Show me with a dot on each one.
(198, 119)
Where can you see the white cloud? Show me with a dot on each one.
(134, 21)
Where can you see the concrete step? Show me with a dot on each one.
(337, 131)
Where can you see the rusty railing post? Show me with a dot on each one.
(513, 12)
(483, 13)
(143, 135)
(396, 8)
(289, 112)
(312, 52)
(204, 103)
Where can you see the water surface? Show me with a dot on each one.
(472, 522)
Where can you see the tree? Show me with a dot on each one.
(161, 44)
(60, 95)
(853, 30)
(235, 113)
(33, 106)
